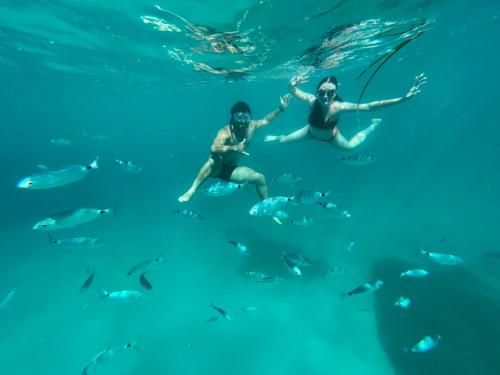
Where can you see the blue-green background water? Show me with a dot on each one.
(79, 69)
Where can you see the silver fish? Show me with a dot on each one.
(71, 218)
(145, 282)
(414, 273)
(290, 266)
(269, 206)
(335, 211)
(129, 165)
(402, 302)
(308, 197)
(246, 310)
(51, 178)
(260, 277)
(144, 264)
(441, 258)
(222, 188)
(368, 287)
(242, 249)
(123, 295)
(223, 313)
(60, 142)
(190, 214)
(78, 242)
(425, 344)
(106, 355)
(356, 159)
(298, 259)
(336, 270)
(88, 282)
(287, 178)
(6, 301)
(302, 221)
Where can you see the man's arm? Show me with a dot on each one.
(219, 143)
(274, 114)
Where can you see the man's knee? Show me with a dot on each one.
(258, 178)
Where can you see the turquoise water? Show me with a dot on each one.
(119, 81)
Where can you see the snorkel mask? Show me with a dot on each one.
(240, 122)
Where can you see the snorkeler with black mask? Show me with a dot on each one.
(230, 145)
(327, 107)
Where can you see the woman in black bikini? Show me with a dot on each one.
(326, 107)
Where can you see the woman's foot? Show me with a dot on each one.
(186, 196)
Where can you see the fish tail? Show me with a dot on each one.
(94, 164)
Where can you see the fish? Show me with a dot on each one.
(260, 277)
(190, 214)
(287, 179)
(351, 244)
(123, 295)
(424, 345)
(145, 282)
(78, 242)
(246, 310)
(308, 197)
(269, 206)
(7, 300)
(269, 280)
(414, 273)
(356, 159)
(368, 287)
(298, 259)
(60, 142)
(222, 188)
(51, 178)
(402, 302)
(106, 355)
(88, 282)
(223, 313)
(333, 210)
(441, 258)
(71, 218)
(242, 249)
(129, 165)
(290, 266)
(213, 319)
(144, 264)
(336, 270)
(302, 221)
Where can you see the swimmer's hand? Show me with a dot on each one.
(240, 147)
(273, 138)
(284, 102)
(299, 78)
(420, 80)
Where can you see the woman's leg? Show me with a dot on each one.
(203, 174)
(297, 135)
(359, 138)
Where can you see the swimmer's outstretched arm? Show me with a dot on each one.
(274, 114)
(341, 141)
(302, 95)
(414, 90)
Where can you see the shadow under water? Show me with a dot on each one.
(450, 302)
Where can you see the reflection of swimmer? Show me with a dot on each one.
(230, 145)
(220, 71)
(326, 108)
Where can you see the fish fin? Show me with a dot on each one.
(94, 164)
